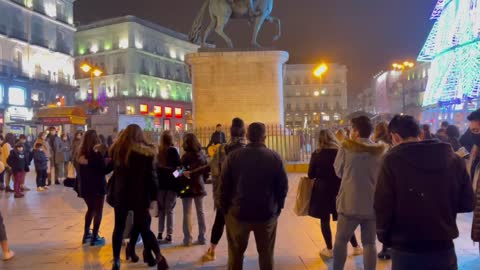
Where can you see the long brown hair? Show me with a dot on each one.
(166, 141)
(90, 139)
(326, 139)
(127, 139)
(191, 143)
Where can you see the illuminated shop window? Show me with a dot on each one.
(16, 96)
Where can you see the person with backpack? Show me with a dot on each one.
(237, 141)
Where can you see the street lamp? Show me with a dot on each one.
(94, 72)
(320, 70)
(401, 67)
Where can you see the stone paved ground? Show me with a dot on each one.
(45, 231)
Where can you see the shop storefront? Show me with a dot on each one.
(64, 119)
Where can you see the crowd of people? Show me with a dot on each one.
(397, 181)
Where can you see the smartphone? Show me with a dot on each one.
(178, 172)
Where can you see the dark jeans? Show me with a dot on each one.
(18, 181)
(439, 260)
(218, 227)
(94, 212)
(238, 233)
(140, 223)
(41, 178)
(327, 233)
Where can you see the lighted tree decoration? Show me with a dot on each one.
(453, 48)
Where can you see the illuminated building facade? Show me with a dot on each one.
(36, 62)
(144, 80)
(312, 101)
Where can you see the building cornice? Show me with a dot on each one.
(136, 74)
(33, 12)
(102, 53)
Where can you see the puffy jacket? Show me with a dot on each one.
(18, 161)
(253, 184)
(357, 164)
(40, 160)
(422, 186)
(134, 185)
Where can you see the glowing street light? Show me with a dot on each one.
(97, 72)
(94, 72)
(320, 70)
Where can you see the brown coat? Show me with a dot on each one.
(476, 212)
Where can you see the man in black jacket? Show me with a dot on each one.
(422, 187)
(253, 187)
(218, 137)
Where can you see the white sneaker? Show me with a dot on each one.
(8, 255)
(326, 253)
(209, 256)
(40, 189)
(357, 251)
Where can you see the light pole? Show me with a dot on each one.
(94, 72)
(401, 68)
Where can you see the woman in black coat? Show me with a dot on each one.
(194, 190)
(93, 186)
(325, 188)
(134, 186)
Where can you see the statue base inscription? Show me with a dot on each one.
(245, 84)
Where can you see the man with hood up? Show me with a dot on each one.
(421, 188)
(357, 164)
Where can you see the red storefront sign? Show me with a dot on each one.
(168, 112)
(56, 120)
(157, 110)
(178, 113)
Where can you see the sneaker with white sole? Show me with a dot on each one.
(328, 253)
(357, 251)
(209, 256)
(8, 255)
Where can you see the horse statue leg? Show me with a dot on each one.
(272, 19)
(211, 26)
(256, 29)
(221, 22)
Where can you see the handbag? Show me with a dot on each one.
(304, 194)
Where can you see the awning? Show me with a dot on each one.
(62, 115)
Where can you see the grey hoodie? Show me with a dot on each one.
(358, 165)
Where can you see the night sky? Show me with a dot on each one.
(365, 35)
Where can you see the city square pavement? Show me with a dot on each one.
(45, 231)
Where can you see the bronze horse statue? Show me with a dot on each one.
(221, 11)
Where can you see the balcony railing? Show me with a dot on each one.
(19, 35)
(39, 41)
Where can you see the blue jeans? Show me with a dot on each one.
(166, 204)
(345, 230)
(187, 220)
(440, 260)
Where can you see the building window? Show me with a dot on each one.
(16, 96)
(326, 117)
(289, 106)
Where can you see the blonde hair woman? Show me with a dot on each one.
(325, 188)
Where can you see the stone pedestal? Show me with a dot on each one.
(245, 84)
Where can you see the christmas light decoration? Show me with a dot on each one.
(453, 48)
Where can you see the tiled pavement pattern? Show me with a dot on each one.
(45, 230)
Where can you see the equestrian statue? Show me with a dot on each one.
(221, 11)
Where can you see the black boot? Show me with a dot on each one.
(148, 258)
(116, 264)
(130, 253)
(162, 263)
